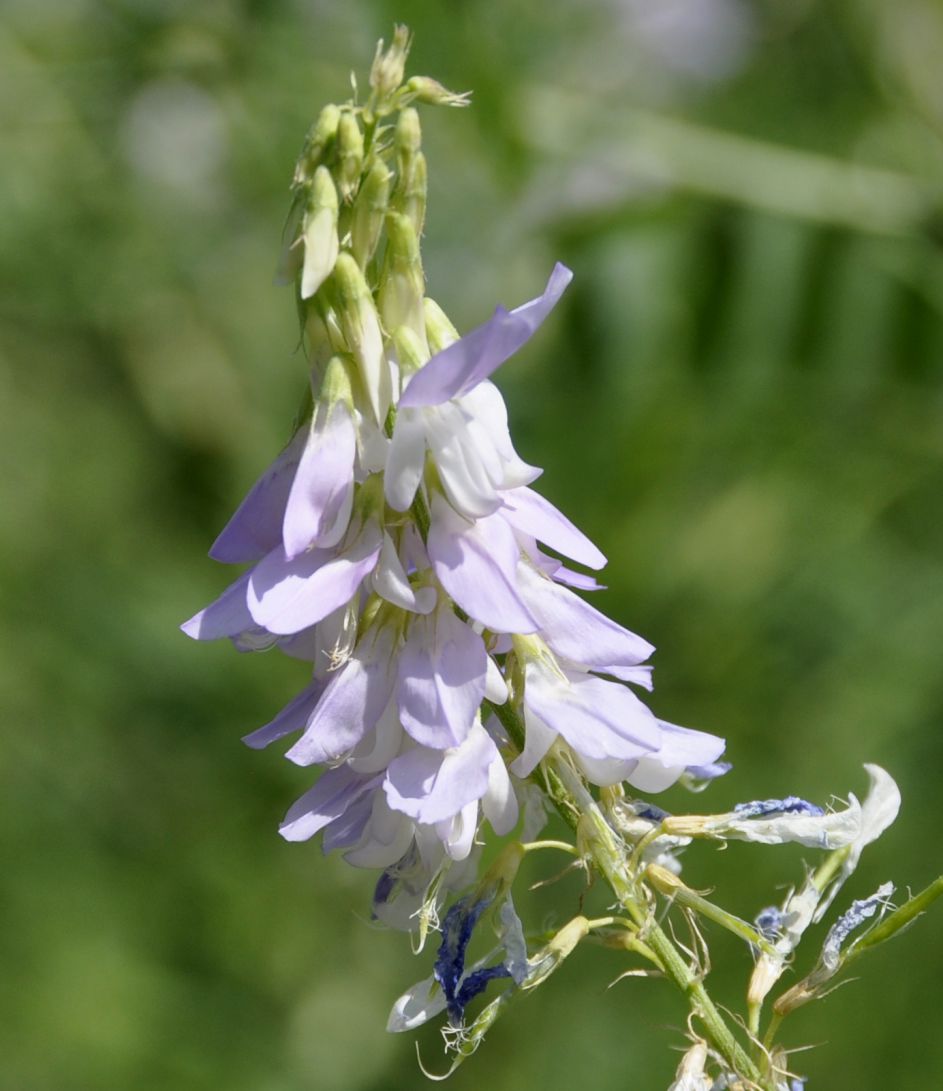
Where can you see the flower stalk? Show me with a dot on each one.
(460, 686)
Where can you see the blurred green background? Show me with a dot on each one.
(740, 399)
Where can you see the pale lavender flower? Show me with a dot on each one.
(450, 409)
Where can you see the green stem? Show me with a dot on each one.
(581, 812)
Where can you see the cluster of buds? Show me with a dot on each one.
(456, 672)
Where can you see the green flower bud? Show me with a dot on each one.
(410, 194)
(369, 212)
(410, 351)
(335, 386)
(361, 327)
(432, 93)
(388, 68)
(319, 233)
(402, 284)
(349, 154)
(440, 332)
(320, 136)
(408, 138)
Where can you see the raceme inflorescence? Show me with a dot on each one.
(461, 687)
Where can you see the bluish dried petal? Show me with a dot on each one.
(852, 918)
(769, 922)
(762, 808)
(457, 931)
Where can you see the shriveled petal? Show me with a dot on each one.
(227, 616)
(405, 459)
(334, 792)
(576, 630)
(477, 565)
(287, 596)
(433, 785)
(462, 365)
(293, 717)
(442, 674)
(878, 811)
(533, 515)
(256, 527)
(319, 504)
(825, 831)
(351, 705)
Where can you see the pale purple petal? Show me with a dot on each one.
(477, 565)
(681, 747)
(597, 718)
(431, 785)
(227, 616)
(442, 673)
(579, 580)
(486, 404)
(469, 468)
(386, 837)
(533, 515)
(334, 792)
(390, 582)
(458, 833)
(638, 675)
(538, 738)
(287, 596)
(405, 460)
(319, 503)
(576, 630)
(468, 361)
(380, 746)
(292, 717)
(499, 803)
(351, 705)
(349, 827)
(256, 527)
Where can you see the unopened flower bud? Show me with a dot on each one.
(402, 285)
(349, 154)
(369, 212)
(432, 93)
(548, 958)
(410, 351)
(320, 136)
(319, 233)
(408, 138)
(361, 326)
(386, 75)
(440, 333)
(410, 194)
